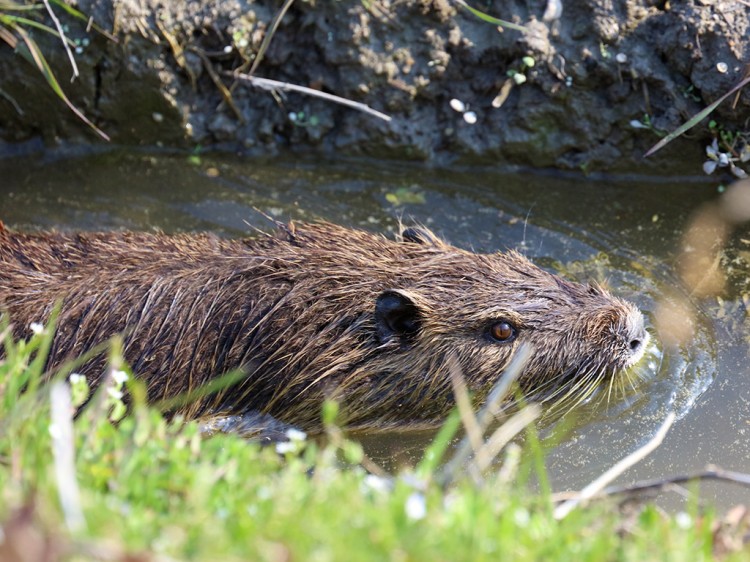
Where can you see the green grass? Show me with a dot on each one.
(18, 20)
(156, 487)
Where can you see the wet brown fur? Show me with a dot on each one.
(296, 311)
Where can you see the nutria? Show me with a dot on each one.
(315, 311)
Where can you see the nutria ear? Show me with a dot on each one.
(396, 315)
(420, 235)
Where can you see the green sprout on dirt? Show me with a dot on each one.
(733, 141)
(516, 77)
(194, 158)
(646, 123)
(690, 93)
(16, 24)
(300, 119)
(519, 75)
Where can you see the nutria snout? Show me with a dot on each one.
(317, 311)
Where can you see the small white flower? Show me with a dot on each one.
(416, 507)
(114, 393)
(36, 327)
(119, 376)
(738, 172)
(521, 517)
(76, 378)
(377, 483)
(683, 520)
(285, 447)
(470, 117)
(718, 159)
(295, 434)
(709, 166)
(54, 431)
(712, 150)
(622, 58)
(458, 105)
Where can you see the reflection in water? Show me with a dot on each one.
(621, 233)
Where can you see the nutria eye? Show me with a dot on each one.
(502, 332)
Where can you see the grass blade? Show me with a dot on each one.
(26, 22)
(10, 6)
(693, 121)
(562, 510)
(269, 35)
(40, 62)
(7, 36)
(268, 84)
(83, 17)
(60, 30)
(434, 454)
(489, 19)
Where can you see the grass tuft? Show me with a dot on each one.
(16, 31)
(152, 488)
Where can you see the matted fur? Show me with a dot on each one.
(296, 311)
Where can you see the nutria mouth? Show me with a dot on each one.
(317, 311)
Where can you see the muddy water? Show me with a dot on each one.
(623, 231)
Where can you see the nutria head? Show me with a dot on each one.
(319, 311)
(481, 309)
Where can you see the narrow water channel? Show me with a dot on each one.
(621, 231)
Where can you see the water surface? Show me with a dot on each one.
(623, 231)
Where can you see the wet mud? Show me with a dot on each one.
(598, 67)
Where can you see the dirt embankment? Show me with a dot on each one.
(597, 68)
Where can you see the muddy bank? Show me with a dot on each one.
(597, 68)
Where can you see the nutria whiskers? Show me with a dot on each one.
(316, 311)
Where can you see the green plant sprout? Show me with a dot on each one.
(519, 76)
(300, 119)
(646, 123)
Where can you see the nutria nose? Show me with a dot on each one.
(637, 334)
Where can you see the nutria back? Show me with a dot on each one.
(316, 311)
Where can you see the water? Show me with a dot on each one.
(622, 231)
